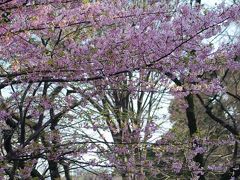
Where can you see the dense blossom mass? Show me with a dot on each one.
(83, 84)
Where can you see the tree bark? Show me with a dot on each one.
(192, 126)
(53, 167)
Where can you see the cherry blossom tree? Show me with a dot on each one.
(60, 58)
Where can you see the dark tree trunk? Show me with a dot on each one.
(53, 167)
(192, 126)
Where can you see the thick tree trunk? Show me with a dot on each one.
(53, 167)
(192, 122)
(192, 126)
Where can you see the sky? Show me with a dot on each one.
(210, 2)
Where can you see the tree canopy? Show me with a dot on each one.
(83, 85)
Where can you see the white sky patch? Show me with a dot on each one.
(211, 3)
